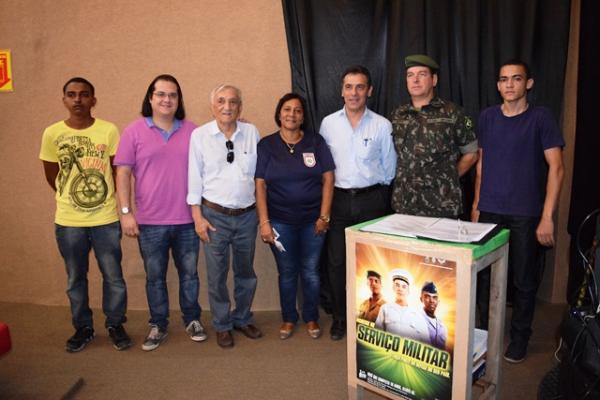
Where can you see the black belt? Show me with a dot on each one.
(227, 210)
(359, 190)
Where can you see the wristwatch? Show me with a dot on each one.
(125, 210)
(325, 218)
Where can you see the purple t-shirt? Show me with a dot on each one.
(294, 180)
(160, 169)
(514, 169)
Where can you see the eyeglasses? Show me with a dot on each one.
(162, 95)
(230, 153)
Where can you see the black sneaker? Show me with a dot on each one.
(121, 340)
(80, 339)
(516, 351)
(338, 330)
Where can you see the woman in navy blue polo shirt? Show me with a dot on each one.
(294, 188)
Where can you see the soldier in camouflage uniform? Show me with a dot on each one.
(436, 144)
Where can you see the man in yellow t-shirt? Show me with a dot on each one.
(77, 156)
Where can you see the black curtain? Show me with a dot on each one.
(468, 38)
(585, 190)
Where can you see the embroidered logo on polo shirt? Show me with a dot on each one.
(309, 159)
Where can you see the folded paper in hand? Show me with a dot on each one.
(277, 243)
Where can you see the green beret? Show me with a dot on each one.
(421, 60)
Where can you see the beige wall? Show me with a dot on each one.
(120, 47)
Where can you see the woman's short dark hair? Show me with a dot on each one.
(287, 97)
(147, 107)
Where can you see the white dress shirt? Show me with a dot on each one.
(212, 177)
(402, 321)
(364, 156)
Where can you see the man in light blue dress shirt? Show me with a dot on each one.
(222, 161)
(363, 151)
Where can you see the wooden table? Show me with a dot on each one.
(366, 251)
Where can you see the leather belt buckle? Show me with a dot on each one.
(355, 191)
(233, 212)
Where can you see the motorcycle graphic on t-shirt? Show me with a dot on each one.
(88, 188)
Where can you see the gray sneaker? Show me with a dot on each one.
(154, 338)
(196, 331)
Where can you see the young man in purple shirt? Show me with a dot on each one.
(519, 176)
(154, 149)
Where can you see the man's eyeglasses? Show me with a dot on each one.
(162, 95)
(230, 153)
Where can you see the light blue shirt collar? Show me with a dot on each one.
(164, 134)
(366, 114)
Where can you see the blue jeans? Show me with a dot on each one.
(155, 242)
(301, 258)
(234, 235)
(74, 244)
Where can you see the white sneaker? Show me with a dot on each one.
(196, 331)
(154, 338)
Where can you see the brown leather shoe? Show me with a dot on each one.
(286, 330)
(225, 339)
(314, 330)
(249, 331)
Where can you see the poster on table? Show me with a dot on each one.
(405, 322)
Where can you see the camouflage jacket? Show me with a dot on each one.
(429, 143)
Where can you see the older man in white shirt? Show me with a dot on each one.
(221, 193)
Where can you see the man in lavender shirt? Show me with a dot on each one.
(154, 149)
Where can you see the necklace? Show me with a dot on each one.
(290, 146)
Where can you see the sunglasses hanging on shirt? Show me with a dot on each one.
(230, 153)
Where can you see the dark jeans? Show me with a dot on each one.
(74, 244)
(155, 241)
(525, 265)
(301, 259)
(348, 209)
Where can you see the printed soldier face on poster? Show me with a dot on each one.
(406, 312)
